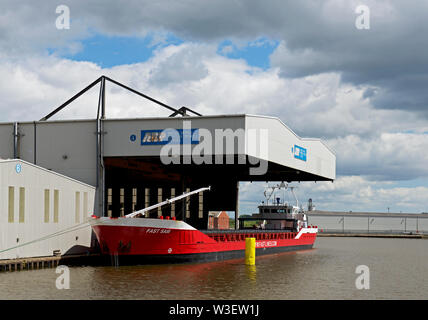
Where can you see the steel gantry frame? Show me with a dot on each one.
(101, 115)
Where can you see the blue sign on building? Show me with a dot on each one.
(173, 136)
(299, 152)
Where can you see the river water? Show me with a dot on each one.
(398, 269)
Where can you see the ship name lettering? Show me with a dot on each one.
(164, 231)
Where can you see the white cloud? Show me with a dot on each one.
(389, 156)
(181, 66)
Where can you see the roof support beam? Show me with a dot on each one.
(70, 100)
(102, 80)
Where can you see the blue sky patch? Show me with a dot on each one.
(109, 51)
(255, 53)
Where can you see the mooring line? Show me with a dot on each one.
(58, 233)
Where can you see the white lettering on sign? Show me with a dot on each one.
(163, 231)
(262, 244)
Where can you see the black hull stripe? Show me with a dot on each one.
(198, 257)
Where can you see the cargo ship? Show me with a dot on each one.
(134, 238)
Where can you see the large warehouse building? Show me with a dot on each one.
(133, 163)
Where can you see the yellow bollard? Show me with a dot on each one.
(250, 251)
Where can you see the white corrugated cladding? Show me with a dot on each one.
(318, 158)
(42, 211)
(367, 222)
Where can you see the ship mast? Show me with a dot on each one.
(292, 191)
(269, 191)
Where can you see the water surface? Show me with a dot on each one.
(398, 270)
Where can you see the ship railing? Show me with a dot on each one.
(241, 236)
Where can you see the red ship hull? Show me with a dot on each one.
(158, 240)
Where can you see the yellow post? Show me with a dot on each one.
(250, 251)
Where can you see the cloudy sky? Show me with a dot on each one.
(364, 91)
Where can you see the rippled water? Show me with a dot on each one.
(398, 270)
